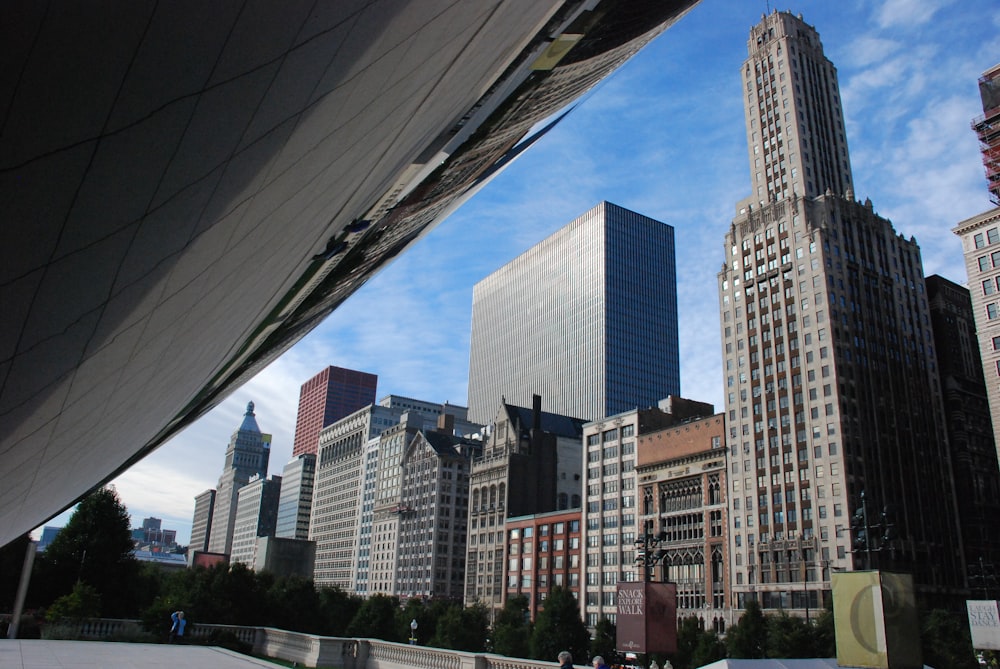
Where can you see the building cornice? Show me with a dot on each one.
(979, 220)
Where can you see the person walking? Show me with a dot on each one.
(599, 662)
(177, 628)
(565, 660)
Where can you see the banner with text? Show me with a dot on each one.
(647, 618)
(984, 624)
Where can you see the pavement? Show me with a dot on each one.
(38, 654)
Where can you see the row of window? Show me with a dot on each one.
(992, 236)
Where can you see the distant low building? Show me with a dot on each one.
(153, 538)
(282, 556)
(171, 561)
(48, 535)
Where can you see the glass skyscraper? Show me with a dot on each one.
(587, 319)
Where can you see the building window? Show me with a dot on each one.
(991, 311)
(984, 263)
(978, 237)
(992, 235)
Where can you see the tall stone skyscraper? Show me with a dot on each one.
(831, 384)
(327, 397)
(246, 457)
(586, 318)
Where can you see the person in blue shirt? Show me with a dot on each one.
(599, 662)
(177, 628)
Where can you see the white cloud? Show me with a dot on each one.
(908, 12)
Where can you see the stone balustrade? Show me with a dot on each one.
(311, 650)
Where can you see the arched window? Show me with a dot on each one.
(562, 501)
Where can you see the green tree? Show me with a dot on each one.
(427, 616)
(605, 640)
(511, 631)
(823, 635)
(94, 547)
(747, 639)
(463, 628)
(558, 627)
(83, 602)
(689, 632)
(376, 619)
(710, 649)
(788, 636)
(337, 608)
(293, 604)
(946, 641)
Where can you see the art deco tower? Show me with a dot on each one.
(247, 456)
(831, 383)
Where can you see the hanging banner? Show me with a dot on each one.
(647, 618)
(984, 624)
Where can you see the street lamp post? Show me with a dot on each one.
(648, 552)
(413, 632)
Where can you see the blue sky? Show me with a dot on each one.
(663, 136)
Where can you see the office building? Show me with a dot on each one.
(987, 128)
(831, 383)
(586, 318)
(970, 430)
(345, 488)
(295, 502)
(388, 507)
(421, 510)
(682, 498)
(201, 523)
(326, 398)
(610, 509)
(544, 552)
(432, 411)
(282, 556)
(152, 537)
(981, 246)
(247, 457)
(530, 464)
(256, 515)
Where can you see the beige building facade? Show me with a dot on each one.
(980, 236)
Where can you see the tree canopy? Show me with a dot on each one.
(94, 547)
(558, 627)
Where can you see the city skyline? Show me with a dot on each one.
(664, 136)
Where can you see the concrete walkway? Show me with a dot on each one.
(36, 654)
